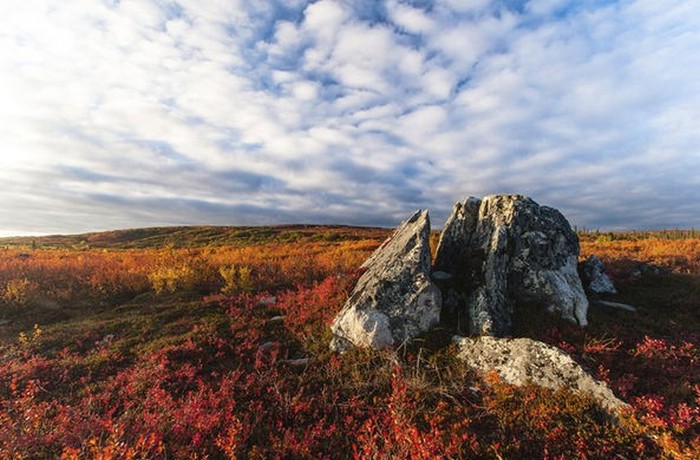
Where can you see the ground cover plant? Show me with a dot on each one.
(212, 343)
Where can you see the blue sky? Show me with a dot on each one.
(117, 114)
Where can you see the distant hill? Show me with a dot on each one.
(197, 236)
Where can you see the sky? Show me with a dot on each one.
(136, 113)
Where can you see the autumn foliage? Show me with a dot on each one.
(221, 352)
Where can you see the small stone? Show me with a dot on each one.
(618, 305)
(594, 277)
(267, 301)
(441, 276)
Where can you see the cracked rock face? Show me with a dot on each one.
(507, 250)
(521, 361)
(395, 300)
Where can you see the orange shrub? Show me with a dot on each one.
(18, 293)
(680, 255)
(174, 271)
(70, 276)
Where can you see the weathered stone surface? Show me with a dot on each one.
(515, 252)
(394, 300)
(594, 278)
(521, 361)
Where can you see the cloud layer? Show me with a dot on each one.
(132, 113)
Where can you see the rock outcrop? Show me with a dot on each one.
(594, 278)
(395, 299)
(521, 361)
(512, 252)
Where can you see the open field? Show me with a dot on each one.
(199, 342)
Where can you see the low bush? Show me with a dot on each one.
(225, 377)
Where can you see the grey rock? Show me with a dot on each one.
(441, 276)
(490, 312)
(517, 252)
(594, 278)
(395, 300)
(617, 305)
(521, 361)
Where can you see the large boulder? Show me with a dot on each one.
(526, 361)
(515, 252)
(395, 299)
(594, 277)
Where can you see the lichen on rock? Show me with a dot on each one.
(395, 300)
(512, 252)
(526, 361)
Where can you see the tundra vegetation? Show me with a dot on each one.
(213, 343)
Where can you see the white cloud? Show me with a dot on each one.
(145, 112)
(411, 19)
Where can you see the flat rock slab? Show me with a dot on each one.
(521, 361)
(395, 300)
(617, 305)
